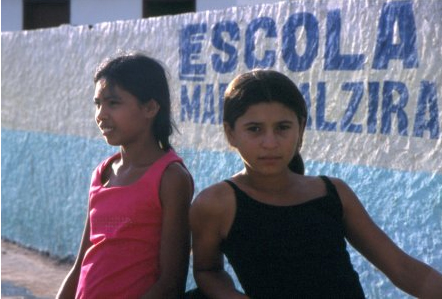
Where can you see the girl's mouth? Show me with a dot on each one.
(106, 130)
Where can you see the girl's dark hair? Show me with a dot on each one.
(264, 86)
(144, 78)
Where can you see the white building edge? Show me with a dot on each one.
(83, 12)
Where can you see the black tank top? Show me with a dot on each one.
(294, 251)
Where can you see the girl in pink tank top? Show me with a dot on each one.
(136, 238)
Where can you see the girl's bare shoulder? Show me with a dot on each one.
(315, 181)
(215, 199)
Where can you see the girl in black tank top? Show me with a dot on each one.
(304, 248)
(283, 232)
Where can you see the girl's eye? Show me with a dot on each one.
(254, 129)
(283, 127)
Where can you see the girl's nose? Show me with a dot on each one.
(269, 140)
(100, 113)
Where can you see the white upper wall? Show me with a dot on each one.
(202, 5)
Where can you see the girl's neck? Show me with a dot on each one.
(274, 190)
(140, 155)
(266, 183)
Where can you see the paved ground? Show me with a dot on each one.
(27, 274)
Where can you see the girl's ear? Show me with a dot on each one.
(151, 108)
(229, 134)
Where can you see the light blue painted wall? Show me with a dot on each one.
(45, 180)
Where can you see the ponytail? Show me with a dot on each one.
(297, 164)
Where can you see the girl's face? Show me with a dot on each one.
(119, 115)
(267, 137)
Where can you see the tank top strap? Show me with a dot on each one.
(238, 192)
(231, 184)
(239, 195)
(331, 189)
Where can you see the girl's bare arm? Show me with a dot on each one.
(407, 273)
(207, 217)
(176, 194)
(68, 288)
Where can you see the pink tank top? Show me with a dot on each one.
(125, 231)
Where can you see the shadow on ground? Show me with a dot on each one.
(13, 291)
(28, 274)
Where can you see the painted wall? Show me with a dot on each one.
(202, 5)
(370, 75)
